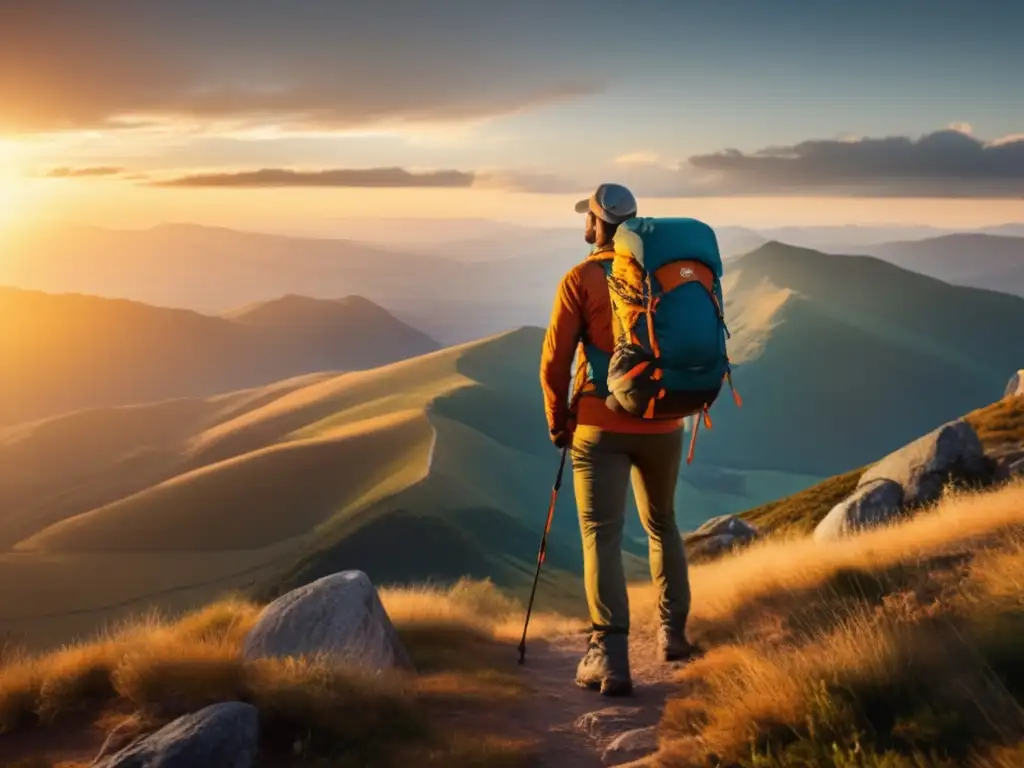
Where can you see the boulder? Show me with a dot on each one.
(870, 505)
(719, 535)
(220, 736)
(1015, 387)
(727, 525)
(338, 616)
(922, 468)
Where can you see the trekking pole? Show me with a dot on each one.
(543, 550)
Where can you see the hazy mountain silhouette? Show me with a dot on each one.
(453, 287)
(215, 270)
(65, 352)
(978, 260)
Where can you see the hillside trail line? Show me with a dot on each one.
(573, 727)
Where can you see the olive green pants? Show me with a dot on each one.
(602, 465)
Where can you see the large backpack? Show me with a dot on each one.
(670, 359)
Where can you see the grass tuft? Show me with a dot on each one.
(898, 648)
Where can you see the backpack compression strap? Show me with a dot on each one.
(668, 277)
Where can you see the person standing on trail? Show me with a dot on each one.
(607, 448)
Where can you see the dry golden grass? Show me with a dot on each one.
(160, 669)
(899, 648)
(999, 424)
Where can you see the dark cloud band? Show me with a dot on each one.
(946, 163)
(341, 177)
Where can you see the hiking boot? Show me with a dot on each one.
(674, 646)
(605, 665)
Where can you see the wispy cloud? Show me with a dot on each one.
(336, 177)
(82, 173)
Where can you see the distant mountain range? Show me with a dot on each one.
(66, 352)
(851, 238)
(978, 260)
(460, 281)
(216, 270)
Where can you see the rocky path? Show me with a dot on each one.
(577, 728)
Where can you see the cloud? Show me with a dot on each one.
(337, 177)
(946, 164)
(531, 181)
(637, 158)
(81, 173)
(310, 64)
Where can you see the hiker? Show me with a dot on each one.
(607, 447)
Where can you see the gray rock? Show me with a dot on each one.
(727, 525)
(339, 616)
(219, 736)
(924, 466)
(870, 505)
(720, 534)
(605, 724)
(1015, 387)
(631, 745)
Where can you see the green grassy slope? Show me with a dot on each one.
(397, 471)
(426, 469)
(859, 357)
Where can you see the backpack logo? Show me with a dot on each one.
(685, 272)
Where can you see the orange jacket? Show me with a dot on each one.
(583, 310)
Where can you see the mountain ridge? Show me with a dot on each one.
(172, 352)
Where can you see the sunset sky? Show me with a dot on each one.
(291, 115)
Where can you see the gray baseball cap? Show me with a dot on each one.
(611, 202)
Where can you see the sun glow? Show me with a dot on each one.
(14, 188)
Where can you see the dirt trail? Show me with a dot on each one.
(577, 728)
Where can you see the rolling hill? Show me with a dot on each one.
(430, 468)
(841, 358)
(399, 471)
(978, 260)
(66, 352)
